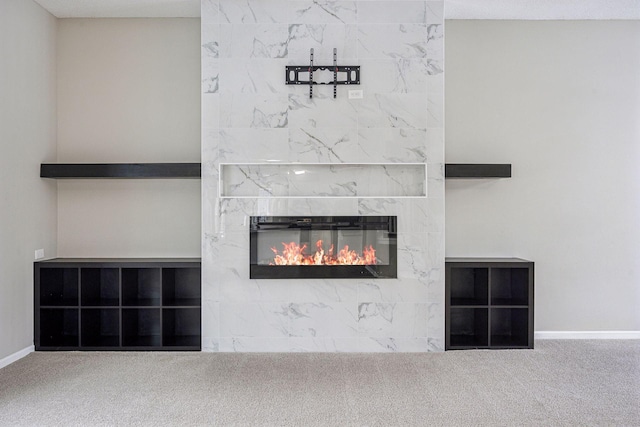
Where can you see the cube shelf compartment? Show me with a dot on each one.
(117, 304)
(59, 287)
(181, 286)
(141, 327)
(140, 286)
(100, 287)
(489, 303)
(58, 328)
(180, 326)
(469, 327)
(100, 327)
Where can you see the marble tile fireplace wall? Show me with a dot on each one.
(252, 121)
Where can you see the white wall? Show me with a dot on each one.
(128, 91)
(27, 138)
(561, 102)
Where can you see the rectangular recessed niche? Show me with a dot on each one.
(323, 180)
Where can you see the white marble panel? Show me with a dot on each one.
(412, 262)
(240, 290)
(435, 219)
(210, 279)
(323, 206)
(324, 181)
(210, 75)
(254, 320)
(436, 343)
(435, 321)
(324, 145)
(210, 108)
(390, 11)
(397, 319)
(435, 144)
(254, 40)
(435, 325)
(322, 110)
(209, 11)
(435, 12)
(253, 181)
(393, 345)
(434, 67)
(209, 227)
(393, 290)
(435, 41)
(253, 11)
(393, 76)
(405, 41)
(399, 180)
(323, 344)
(323, 319)
(245, 110)
(210, 41)
(210, 326)
(435, 288)
(323, 38)
(393, 145)
(405, 110)
(210, 153)
(318, 180)
(235, 214)
(254, 145)
(308, 290)
(413, 215)
(435, 249)
(322, 11)
(254, 344)
(252, 75)
(435, 104)
(435, 180)
(232, 261)
(251, 116)
(378, 206)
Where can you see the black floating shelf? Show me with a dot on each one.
(477, 170)
(120, 170)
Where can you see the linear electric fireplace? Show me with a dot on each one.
(285, 247)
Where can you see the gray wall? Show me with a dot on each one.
(27, 138)
(561, 102)
(129, 91)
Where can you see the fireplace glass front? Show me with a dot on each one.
(284, 247)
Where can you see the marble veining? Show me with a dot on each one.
(323, 11)
(404, 41)
(380, 155)
(323, 180)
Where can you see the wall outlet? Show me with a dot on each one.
(356, 94)
(39, 253)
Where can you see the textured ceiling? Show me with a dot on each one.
(455, 9)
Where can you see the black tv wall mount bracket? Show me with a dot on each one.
(350, 74)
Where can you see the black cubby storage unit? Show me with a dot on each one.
(117, 304)
(489, 303)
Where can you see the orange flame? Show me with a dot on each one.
(294, 254)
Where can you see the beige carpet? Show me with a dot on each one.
(572, 383)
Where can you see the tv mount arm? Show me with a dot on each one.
(352, 74)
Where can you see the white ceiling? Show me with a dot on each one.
(122, 8)
(542, 9)
(454, 9)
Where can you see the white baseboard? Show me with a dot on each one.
(16, 356)
(587, 335)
